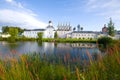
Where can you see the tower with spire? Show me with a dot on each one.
(63, 29)
(49, 32)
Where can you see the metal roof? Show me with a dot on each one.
(85, 32)
(34, 30)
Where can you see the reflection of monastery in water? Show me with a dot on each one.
(83, 45)
(48, 48)
(77, 45)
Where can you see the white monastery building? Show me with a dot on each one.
(63, 30)
(47, 33)
(66, 31)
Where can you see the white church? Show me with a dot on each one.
(47, 33)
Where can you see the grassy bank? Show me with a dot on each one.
(62, 40)
(62, 67)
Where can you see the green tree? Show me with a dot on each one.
(5, 29)
(111, 30)
(14, 34)
(56, 35)
(40, 36)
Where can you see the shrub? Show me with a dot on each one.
(105, 41)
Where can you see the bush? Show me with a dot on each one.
(105, 41)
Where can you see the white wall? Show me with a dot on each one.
(32, 34)
(84, 35)
(49, 33)
(63, 34)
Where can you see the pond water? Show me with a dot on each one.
(48, 48)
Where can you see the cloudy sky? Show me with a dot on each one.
(90, 14)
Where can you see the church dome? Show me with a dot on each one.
(50, 25)
(50, 21)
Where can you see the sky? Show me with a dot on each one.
(35, 14)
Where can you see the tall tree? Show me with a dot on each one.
(111, 30)
(14, 34)
(5, 29)
(40, 36)
(56, 35)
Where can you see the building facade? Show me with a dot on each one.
(47, 33)
(63, 30)
(84, 35)
(104, 29)
(66, 31)
(5, 35)
(32, 33)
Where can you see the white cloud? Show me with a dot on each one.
(20, 16)
(90, 2)
(9, 0)
(14, 3)
(106, 8)
(22, 19)
(103, 4)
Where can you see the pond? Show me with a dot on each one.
(48, 48)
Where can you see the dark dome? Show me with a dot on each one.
(50, 21)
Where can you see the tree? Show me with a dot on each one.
(56, 35)
(5, 29)
(14, 34)
(111, 30)
(40, 36)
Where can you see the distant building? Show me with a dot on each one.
(3, 35)
(104, 29)
(47, 33)
(84, 35)
(63, 30)
(32, 33)
(117, 35)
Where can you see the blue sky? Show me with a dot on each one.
(90, 14)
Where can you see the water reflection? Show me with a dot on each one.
(74, 49)
(83, 45)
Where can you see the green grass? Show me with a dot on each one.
(52, 40)
(61, 67)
